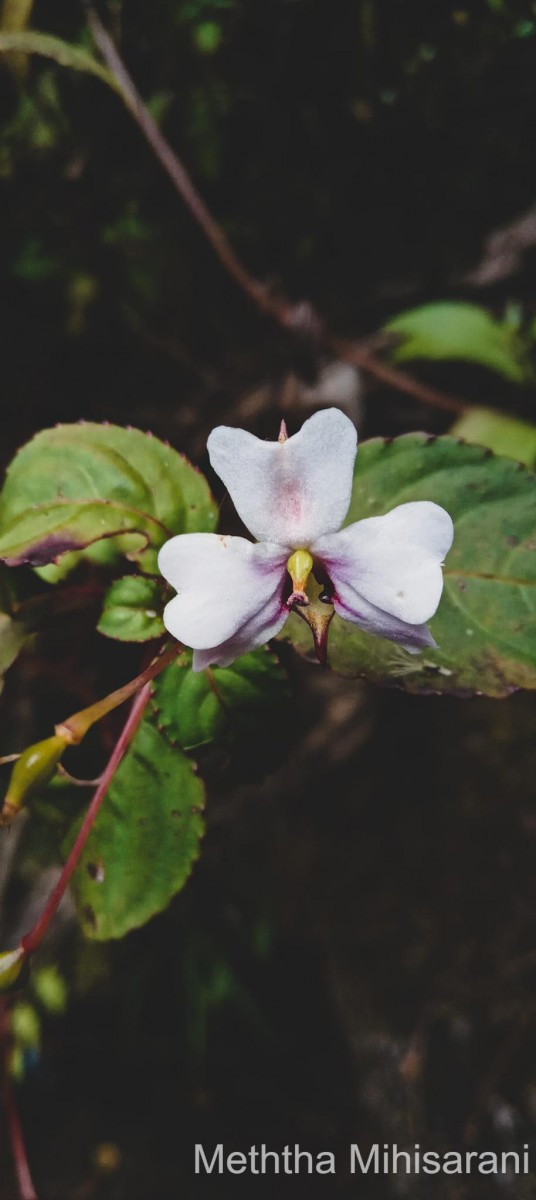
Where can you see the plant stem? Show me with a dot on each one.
(24, 1179)
(290, 317)
(32, 940)
(74, 728)
(281, 312)
(352, 352)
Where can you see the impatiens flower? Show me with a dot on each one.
(382, 573)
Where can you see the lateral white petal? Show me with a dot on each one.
(257, 631)
(353, 607)
(222, 582)
(294, 491)
(393, 561)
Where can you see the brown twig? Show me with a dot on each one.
(257, 291)
(352, 352)
(22, 1170)
(298, 317)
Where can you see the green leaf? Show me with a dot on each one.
(503, 434)
(30, 41)
(460, 331)
(132, 610)
(13, 634)
(486, 622)
(74, 486)
(50, 989)
(145, 840)
(196, 708)
(13, 629)
(26, 1026)
(207, 37)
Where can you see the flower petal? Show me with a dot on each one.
(393, 562)
(222, 583)
(352, 607)
(294, 491)
(257, 631)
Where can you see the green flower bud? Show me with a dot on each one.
(32, 770)
(13, 969)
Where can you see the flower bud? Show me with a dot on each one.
(32, 770)
(13, 969)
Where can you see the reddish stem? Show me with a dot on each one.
(32, 940)
(22, 1170)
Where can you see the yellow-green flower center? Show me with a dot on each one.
(299, 567)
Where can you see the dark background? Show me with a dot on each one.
(354, 956)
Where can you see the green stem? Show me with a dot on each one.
(74, 728)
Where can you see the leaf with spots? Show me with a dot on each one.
(145, 840)
(101, 490)
(485, 626)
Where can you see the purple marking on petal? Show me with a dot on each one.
(381, 624)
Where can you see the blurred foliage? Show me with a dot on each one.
(503, 434)
(47, 996)
(283, 119)
(462, 331)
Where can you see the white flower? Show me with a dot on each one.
(382, 573)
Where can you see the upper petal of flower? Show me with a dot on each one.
(394, 561)
(222, 582)
(294, 491)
